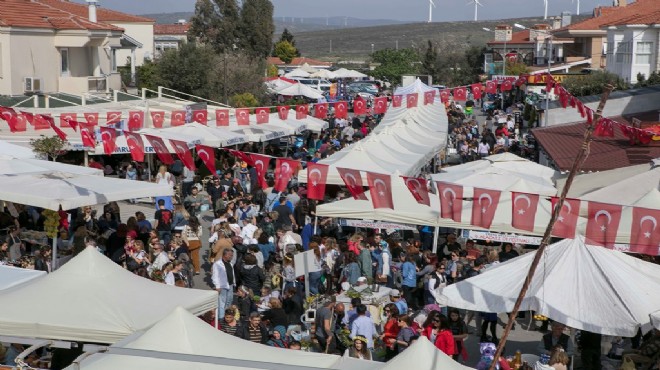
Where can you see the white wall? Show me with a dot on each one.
(5, 64)
(33, 54)
(143, 33)
(625, 43)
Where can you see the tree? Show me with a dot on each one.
(257, 27)
(516, 68)
(285, 51)
(394, 63)
(272, 71)
(593, 83)
(147, 75)
(288, 36)
(430, 61)
(187, 69)
(216, 23)
(244, 100)
(50, 147)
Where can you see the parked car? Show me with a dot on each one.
(317, 83)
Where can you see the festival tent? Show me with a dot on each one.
(92, 299)
(274, 84)
(507, 161)
(313, 124)
(167, 135)
(349, 73)
(585, 287)
(10, 165)
(324, 73)
(14, 276)
(288, 124)
(655, 319)
(628, 191)
(214, 137)
(499, 179)
(423, 355)
(300, 89)
(16, 151)
(585, 183)
(415, 87)
(298, 72)
(260, 133)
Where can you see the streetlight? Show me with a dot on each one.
(503, 62)
(548, 53)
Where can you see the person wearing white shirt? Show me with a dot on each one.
(161, 258)
(224, 281)
(247, 233)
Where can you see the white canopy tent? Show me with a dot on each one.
(93, 300)
(260, 133)
(300, 89)
(291, 123)
(211, 136)
(349, 73)
(423, 355)
(585, 287)
(416, 87)
(499, 179)
(298, 72)
(628, 191)
(324, 73)
(14, 276)
(509, 162)
(278, 83)
(589, 182)
(655, 319)
(16, 151)
(19, 166)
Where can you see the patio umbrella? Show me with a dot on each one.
(349, 73)
(324, 73)
(300, 89)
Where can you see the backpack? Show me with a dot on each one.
(270, 200)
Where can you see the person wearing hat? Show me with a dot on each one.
(359, 348)
(401, 305)
(278, 337)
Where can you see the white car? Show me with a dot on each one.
(317, 83)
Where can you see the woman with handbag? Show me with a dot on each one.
(191, 234)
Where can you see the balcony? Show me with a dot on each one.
(89, 84)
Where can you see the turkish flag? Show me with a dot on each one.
(557, 89)
(380, 187)
(380, 105)
(644, 136)
(572, 100)
(359, 106)
(411, 100)
(444, 95)
(10, 116)
(240, 155)
(161, 150)
(18, 123)
(644, 231)
(580, 108)
(418, 189)
(301, 111)
(260, 162)
(284, 169)
(207, 155)
(484, 205)
(603, 223)
(397, 100)
(321, 110)
(242, 116)
(506, 85)
(353, 181)
(317, 175)
(604, 128)
(566, 223)
(460, 94)
(429, 96)
(28, 117)
(590, 115)
(451, 200)
(476, 91)
(341, 109)
(87, 136)
(178, 118)
(108, 137)
(157, 118)
(524, 210)
(66, 118)
(263, 115)
(521, 80)
(549, 82)
(563, 97)
(184, 154)
(222, 117)
(135, 120)
(92, 118)
(135, 145)
(201, 116)
(283, 112)
(58, 131)
(43, 121)
(491, 87)
(38, 124)
(112, 118)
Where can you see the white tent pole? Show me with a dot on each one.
(53, 265)
(435, 239)
(86, 161)
(215, 324)
(306, 270)
(316, 219)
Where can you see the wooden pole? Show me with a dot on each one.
(577, 164)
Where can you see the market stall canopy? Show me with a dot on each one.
(68, 190)
(309, 69)
(628, 191)
(425, 356)
(19, 166)
(324, 73)
(589, 182)
(416, 87)
(499, 179)
(257, 134)
(16, 151)
(349, 73)
(14, 276)
(277, 83)
(507, 161)
(291, 123)
(655, 319)
(298, 72)
(211, 136)
(91, 299)
(300, 89)
(585, 287)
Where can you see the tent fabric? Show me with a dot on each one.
(298, 72)
(585, 287)
(68, 190)
(18, 166)
(349, 73)
(214, 137)
(655, 319)
(92, 299)
(416, 87)
(628, 191)
(590, 182)
(324, 73)
(14, 276)
(499, 179)
(300, 89)
(424, 356)
(510, 162)
(15, 151)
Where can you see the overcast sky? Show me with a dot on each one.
(408, 10)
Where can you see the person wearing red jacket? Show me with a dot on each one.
(390, 330)
(439, 333)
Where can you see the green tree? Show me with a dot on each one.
(245, 100)
(288, 36)
(147, 75)
(216, 23)
(187, 69)
(285, 51)
(593, 83)
(50, 147)
(430, 61)
(516, 68)
(392, 64)
(257, 27)
(272, 71)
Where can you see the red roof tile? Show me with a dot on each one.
(30, 14)
(102, 14)
(171, 29)
(520, 37)
(299, 62)
(639, 12)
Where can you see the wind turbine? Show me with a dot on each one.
(545, 13)
(431, 6)
(578, 6)
(477, 4)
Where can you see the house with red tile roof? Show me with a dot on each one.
(170, 36)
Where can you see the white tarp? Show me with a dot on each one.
(211, 136)
(510, 162)
(590, 182)
(298, 72)
(16, 151)
(92, 299)
(585, 287)
(18, 166)
(348, 73)
(499, 179)
(300, 89)
(14, 276)
(655, 319)
(423, 355)
(416, 87)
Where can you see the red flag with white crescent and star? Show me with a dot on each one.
(411, 100)
(43, 121)
(522, 79)
(18, 123)
(263, 115)
(460, 94)
(87, 135)
(247, 158)
(567, 220)
(353, 181)
(397, 100)
(135, 145)
(66, 118)
(58, 131)
(284, 170)
(317, 176)
(92, 118)
(451, 200)
(418, 189)
(261, 162)
(222, 117)
(302, 111)
(112, 118)
(178, 118)
(380, 187)
(604, 128)
(161, 150)
(283, 112)
(491, 87)
(484, 205)
(157, 118)
(645, 231)
(524, 207)
(201, 116)
(380, 105)
(429, 97)
(444, 95)
(476, 91)
(184, 154)
(321, 110)
(11, 117)
(108, 137)
(359, 106)
(602, 223)
(549, 82)
(135, 120)
(242, 116)
(35, 121)
(341, 109)
(507, 85)
(207, 155)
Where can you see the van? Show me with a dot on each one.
(316, 83)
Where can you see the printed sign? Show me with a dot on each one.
(503, 238)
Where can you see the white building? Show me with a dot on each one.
(170, 36)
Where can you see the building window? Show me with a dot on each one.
(64, 62)
(643, 55)
(113, 59)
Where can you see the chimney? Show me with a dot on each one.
(181, 21)
(539, 31)
(503, 32)
(92, 4)
(556, 23)
(620, 3)
(566, 19)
